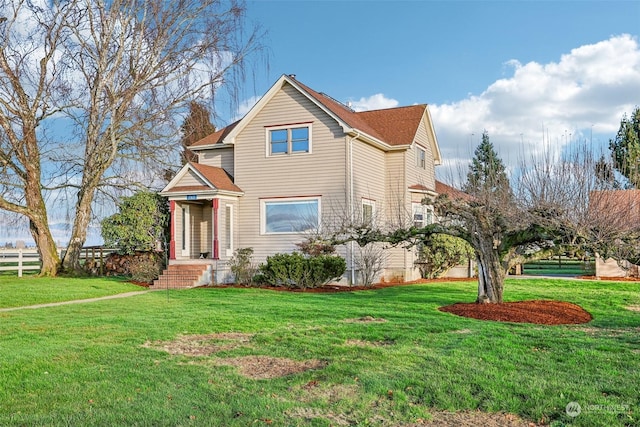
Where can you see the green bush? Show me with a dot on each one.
(146, 268)
(439, 253)
(297, 271)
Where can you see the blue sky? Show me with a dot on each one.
(525, 71)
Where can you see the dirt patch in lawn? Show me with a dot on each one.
(201, 345)
(255, 367)
(634, 308)
(540, 312)
(474, 419)
(362, 343)
(439, 419)
(267, 367)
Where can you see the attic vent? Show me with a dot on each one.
(348, 107)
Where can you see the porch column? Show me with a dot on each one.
(215, 204)
(172, 227)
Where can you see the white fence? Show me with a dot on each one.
(28, 259)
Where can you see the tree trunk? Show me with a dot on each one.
(490, 272)
(71, 261)
(36, 211)
(50, 261)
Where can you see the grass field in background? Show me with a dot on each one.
(88, 364)
(560, 267)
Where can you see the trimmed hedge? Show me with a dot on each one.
(294, 270)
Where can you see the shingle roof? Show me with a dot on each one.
(216, 137)
(216, 176)
(454, 193)
(393, 126)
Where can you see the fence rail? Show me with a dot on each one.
(21, 260)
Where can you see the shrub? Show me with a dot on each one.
(145, 267)
(242, 266)
(440, 253)
(297, 271)
(315, 246)
(370, 262)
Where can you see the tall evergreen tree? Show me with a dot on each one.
(196, 126)
(487, 174)
(625, 148)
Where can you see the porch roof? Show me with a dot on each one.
(212, 180)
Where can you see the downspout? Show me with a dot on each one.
(351, 210)
(215, 244)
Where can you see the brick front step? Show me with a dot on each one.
(180, 276)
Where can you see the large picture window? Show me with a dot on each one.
(289, 140)
(294, 215)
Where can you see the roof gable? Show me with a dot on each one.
(207, 178)
(388, 128)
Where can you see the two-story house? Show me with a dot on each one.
(298, 162)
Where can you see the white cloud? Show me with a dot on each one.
(374, 102)
(245, 106)
(585, 93)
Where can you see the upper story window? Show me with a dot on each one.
(288, 139)
(421, 158)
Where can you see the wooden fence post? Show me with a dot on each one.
(19, 262)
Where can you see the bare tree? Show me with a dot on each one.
(117, 75)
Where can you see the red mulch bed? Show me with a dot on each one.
(541, 312)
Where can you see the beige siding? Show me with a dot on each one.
(190, 178)
(415, 174)
(320, 173)
(220, 157)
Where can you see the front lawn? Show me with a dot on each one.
(381, 358)
(20, 291)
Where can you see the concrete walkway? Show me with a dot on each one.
(75, 301)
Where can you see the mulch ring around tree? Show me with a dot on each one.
(541, 312)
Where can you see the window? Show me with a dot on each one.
(422, 215)
(292, 215)
(228, 229)
(368, 208)
(421, 158)
(288, 140)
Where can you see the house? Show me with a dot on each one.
(615, 211)
(298, 162)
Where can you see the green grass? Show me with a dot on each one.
(18, 291)
(86, 364)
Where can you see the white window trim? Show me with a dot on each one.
(421, 163)
(267, 138)
(229, 245)
(263, 212)
(186, 231)
(427, 213)
(372, 203)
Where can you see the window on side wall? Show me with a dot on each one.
(289, 139)
(422, 215)
(421, 158)
(368, 211)
(289, 215)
